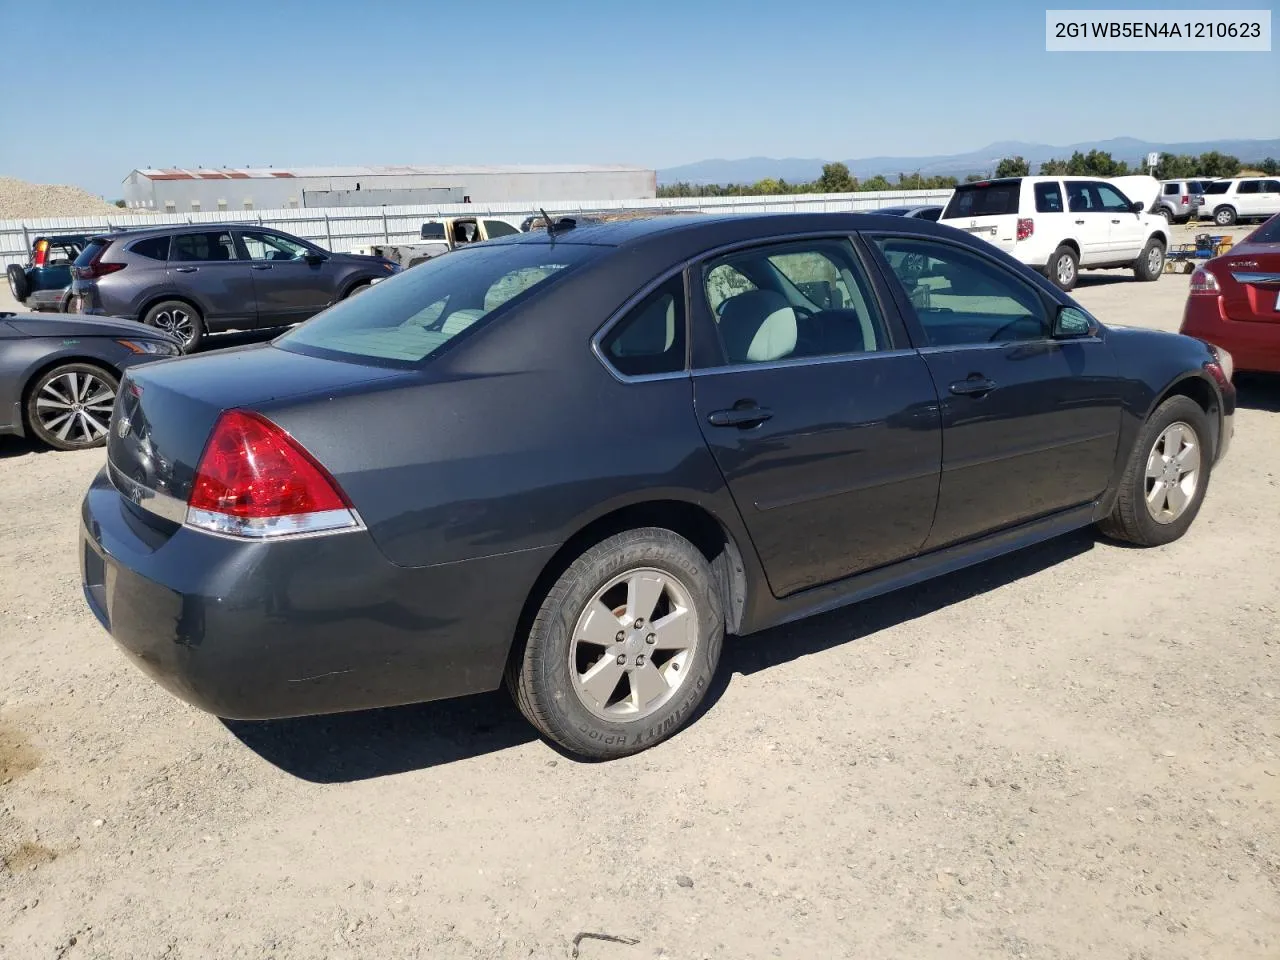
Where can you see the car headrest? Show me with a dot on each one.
(757, 327)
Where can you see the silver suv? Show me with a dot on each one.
(1179, 200)
(198, 278)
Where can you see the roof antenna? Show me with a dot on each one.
(547, 220)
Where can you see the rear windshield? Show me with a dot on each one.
(984, 200)
(91, 250)
(433, 231)
(1218, 186)
(407, 318)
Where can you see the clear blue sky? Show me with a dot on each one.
(287, 82)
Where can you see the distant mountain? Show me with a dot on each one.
(799, 169)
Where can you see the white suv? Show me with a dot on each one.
(1241, 198)
(1060, 225)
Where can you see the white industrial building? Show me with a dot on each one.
(278, 188)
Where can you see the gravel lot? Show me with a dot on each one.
(1070, 752)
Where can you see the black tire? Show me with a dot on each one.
(1150, 262)
(18, 285)
(1063, 268)
(1224, 216)
(1132, 519)
(539, 673)
(358, 288)
(1168, 215)
(43, 407)
(179, 318)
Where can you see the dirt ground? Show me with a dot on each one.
(1067, 753)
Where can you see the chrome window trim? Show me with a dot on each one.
(806, 361)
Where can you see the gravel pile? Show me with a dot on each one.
(19, 199)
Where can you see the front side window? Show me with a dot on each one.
(962, 298)
(650, 339)
(270, 246)
(1112, 200)
(409, 317)
(1049, 197)
(792, 301)
(213, 246)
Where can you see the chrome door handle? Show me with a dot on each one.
(186, 269)
(1080, 221)
(1115, 221)
(973, 387)
(260, 266)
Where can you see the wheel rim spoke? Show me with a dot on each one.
(1177, 498)
(644, 590)
(672, 632)
(602, 679)
(647, 685)
(599, 626)
(1173, 472)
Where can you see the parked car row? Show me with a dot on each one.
(1059, 225)
(574, 460)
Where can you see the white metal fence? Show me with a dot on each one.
(342, 229)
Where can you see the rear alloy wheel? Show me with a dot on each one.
(69, 408)
(18, 285)
(1150, 262)
(624, 646)
(1224, 216)
(1063, 269)
(1165, 480)
(179, 318)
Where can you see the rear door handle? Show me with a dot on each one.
(186, 269)
(1115, 221)
(973, 387)
(260, 266)
(1080, 221)
(742, 417)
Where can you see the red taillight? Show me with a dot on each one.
(95, 267)
(100, 269)
(41, 253)
(1185, 199)
(1204, 284)
(254, 480)
(1026, 227)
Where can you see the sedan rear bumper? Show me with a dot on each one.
(1254, 345)
(257, 631)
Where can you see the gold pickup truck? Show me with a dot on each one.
(441, 236)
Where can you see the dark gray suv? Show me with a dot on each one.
(198, 278)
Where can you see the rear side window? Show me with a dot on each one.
(1217, 186)
(1269, 232)
(984, 200)
(1271, 186)
(212, 246)
(91, 251)
(650, 339)
(1249, 186)
(407, 318)
(1049, 197)
(1172, 189)
(153, 248)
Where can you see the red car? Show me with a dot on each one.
(1235, 301)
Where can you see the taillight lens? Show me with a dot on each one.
(1204, 284)
(256, 481)
(1185, 199)
(1026, 227)
(41, 253)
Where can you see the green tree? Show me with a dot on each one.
(1053, 168)
(1175, 166)
(975, 177)
(1095, 163)
(836, 179)
(1269, 166)
(1215, 164)
(1013, 167)
(877, 182)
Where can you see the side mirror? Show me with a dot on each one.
(315, 258)
(1138, 206)
(1071, 323)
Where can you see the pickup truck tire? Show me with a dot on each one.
(1224, 216)
(18, 282)
(1150, 262)
(1063, 269)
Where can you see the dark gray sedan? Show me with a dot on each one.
(59, 375)
(580, 458)
(191, 280)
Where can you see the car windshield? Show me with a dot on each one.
(407, 318)
(983, 200)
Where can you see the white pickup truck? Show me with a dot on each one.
(440, 236)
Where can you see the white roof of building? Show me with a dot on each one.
(284, 173)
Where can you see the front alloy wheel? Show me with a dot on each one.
(69, 408)
(1173, 473)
